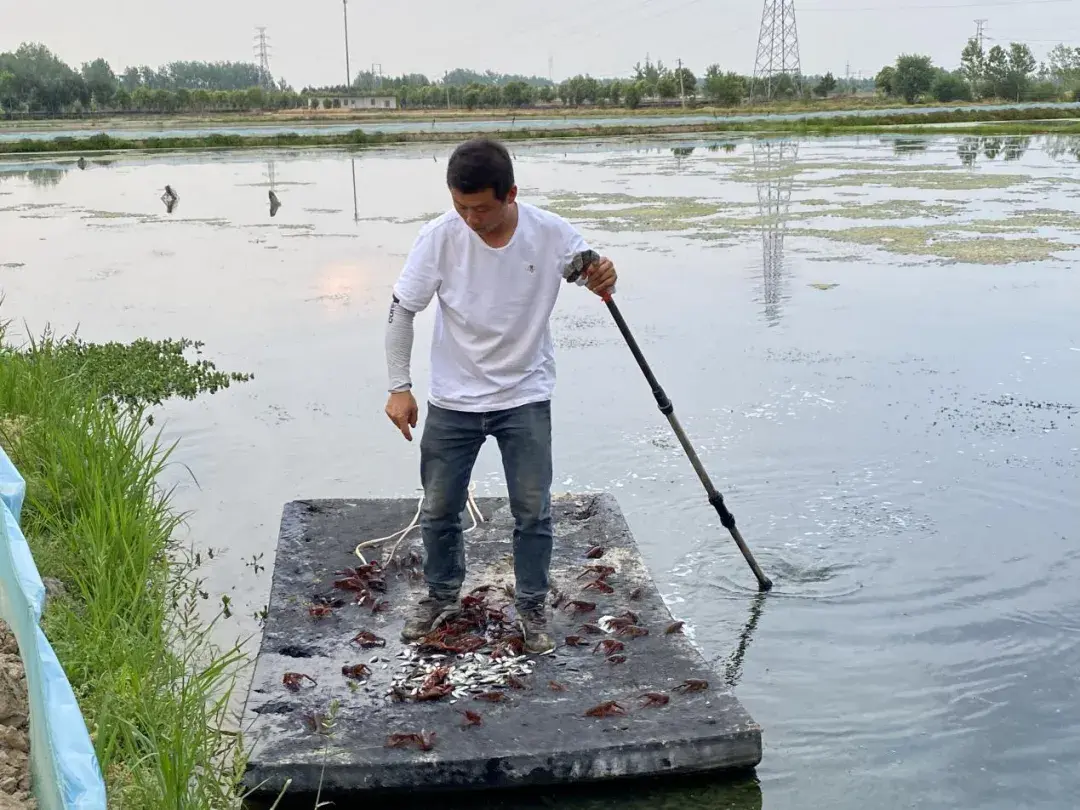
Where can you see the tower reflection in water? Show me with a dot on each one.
(774, 173)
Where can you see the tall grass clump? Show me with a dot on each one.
(153, 688)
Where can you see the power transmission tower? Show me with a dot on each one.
(262, 50)
(348, 70)
(979, 32)
(778, 47)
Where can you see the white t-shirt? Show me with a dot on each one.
(491, 348)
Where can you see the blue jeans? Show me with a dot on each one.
(448, 449)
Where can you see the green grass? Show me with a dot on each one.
(1035, 120)
(152, 687)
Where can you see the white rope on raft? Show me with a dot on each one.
(470, 504)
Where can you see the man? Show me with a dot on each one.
(496, 265)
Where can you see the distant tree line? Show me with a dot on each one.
(34, 80)
(1010, 74)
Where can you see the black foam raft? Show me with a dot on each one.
(330, 734)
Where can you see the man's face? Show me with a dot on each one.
(483, 211)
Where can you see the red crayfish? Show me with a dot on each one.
(579, 606)
(655, 699)
(595, 552)
(367, 639)
(606, 709)
(293, 680)
(674, 627)
(425, 740)
(472, 718)
(692, 685)
(598, 584)
(609, 645)
(356, 671)
(600, 571)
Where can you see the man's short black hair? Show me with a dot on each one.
(478, 164)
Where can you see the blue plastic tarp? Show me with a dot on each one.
(64, 766)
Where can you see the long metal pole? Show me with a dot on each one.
(348, 70)
(715, 498)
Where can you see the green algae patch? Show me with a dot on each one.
(949, 243)
(888, 209)
(938, 179)
(96, 214)
(846, 257)
(1045, 218)
(420, 218)
(624, 212)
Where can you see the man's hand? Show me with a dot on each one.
(601, 276)
(402, 410)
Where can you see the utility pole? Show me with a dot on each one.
(682, 92)
(348, 71)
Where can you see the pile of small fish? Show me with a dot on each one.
(466, 673)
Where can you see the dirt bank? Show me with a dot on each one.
(14, 728)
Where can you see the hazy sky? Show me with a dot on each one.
(601, 37)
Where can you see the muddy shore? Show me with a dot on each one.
(14, 727)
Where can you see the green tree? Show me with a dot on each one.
(913, 77)
(615, 91)
(667, 87)
(950, 87)
(8, 95)
(689, 81)
(632, 95)
(517, 94)
(100, 81)
(725, 89)
(885, 81)
(1021, 64)
(1064, 64)
(973, 64)
(825, 86)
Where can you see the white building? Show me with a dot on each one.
(339, 102)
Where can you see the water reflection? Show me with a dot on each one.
(43, 177)
(1010, 147)
(733, 665)
(904, 146)
(673, 793)
(170, 198)
(271, 177)
(1060, 146)
(355, 203)
(774, 163)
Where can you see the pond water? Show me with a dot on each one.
(873, 343)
